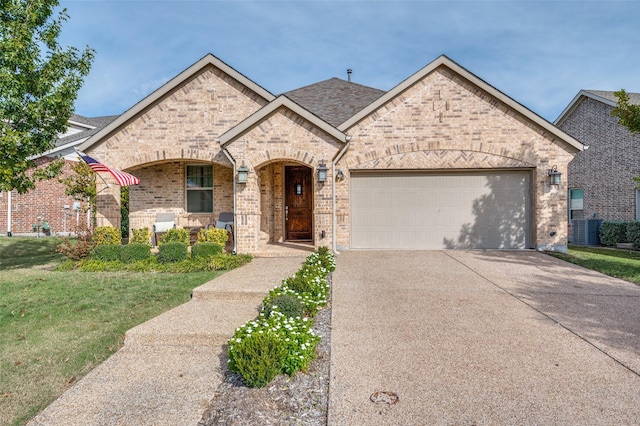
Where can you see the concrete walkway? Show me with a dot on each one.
(474, 337)
(169, 368)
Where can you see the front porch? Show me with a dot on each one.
(282, 209)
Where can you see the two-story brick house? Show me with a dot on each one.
(442, 160)
(601, 177)
(47, 202)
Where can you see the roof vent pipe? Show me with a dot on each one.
(349, 71)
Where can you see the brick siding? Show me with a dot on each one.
(46, 200)
(441, 122)
(605, 171)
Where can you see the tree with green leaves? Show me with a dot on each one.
(39, 83)
(628, 114)
(81, 184)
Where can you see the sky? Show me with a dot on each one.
(540, 53)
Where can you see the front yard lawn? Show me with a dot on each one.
(624, 264)
(57, 326)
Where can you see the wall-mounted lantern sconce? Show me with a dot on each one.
(339, 175)
(243, 173)
(554, 176)
(322, 172)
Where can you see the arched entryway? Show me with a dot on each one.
(286, 202)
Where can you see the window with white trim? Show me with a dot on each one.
(576, 203)
(199, 188)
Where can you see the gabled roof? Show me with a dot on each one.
(264, 112)
(92, 124)
(334, 100)
(207, 60)
(473, 79)
(604, 96)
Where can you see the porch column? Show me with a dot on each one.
(108, 203)
(247, 229)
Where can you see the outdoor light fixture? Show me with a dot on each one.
(322, 172)
(554, 176)
(243, 173)
(339, 175)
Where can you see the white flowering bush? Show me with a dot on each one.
(276, 342)
(295, 337)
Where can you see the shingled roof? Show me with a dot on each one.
(604, 96)
(634, 98)
(94, 125)
(334, 100)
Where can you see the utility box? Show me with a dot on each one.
(585, 232)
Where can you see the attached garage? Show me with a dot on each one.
(418, 210)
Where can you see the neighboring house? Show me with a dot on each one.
(47, 201)
(601, 178)
(443, 160)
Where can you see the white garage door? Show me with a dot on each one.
(407, 210)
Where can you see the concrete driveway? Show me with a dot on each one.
(482, 337)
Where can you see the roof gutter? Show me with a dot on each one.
(233, 162)
(333, 191)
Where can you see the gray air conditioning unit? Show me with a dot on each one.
(585, 232)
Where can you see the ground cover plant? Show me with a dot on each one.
(278, 342)
(55, 326)
(624, 264)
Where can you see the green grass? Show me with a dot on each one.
(57, 326)
(624, 264)
(20, 252)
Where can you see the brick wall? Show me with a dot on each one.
(443, 122)
(605, 171)
(46, 200)
(180, 128)
(281, 139)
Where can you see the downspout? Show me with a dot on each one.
(333, 190)
(235, 229)
(9, 233)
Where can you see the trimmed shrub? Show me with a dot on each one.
(633, 234)
(134, 252)
(213, 235)
(141, 236)
(226, 262)
(289, 305)
(171, 252)
(298, 283)
(612, 232)
(257, 357)
(175, 235)
(107, 253)
(105, 235)
(205, 250)
(325, 258)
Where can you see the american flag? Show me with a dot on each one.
(123, 179)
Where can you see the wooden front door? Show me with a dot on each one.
(298, 208)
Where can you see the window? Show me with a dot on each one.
(637, 204)
(199, 183)
(576, 202)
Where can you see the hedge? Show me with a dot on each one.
(172, 252)
(613, 232)
(134, 252)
